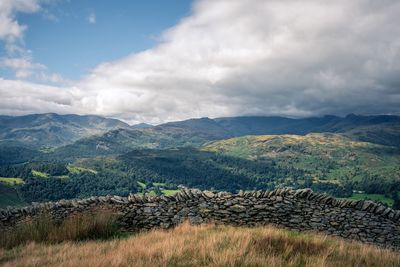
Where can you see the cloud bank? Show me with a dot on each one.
(253, 57)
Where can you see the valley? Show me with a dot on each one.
(204, 153)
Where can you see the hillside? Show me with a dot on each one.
(10, 197)
(151, 171)
(379, 129)
(206, 245)
(327, 159)
(196, 132)
(124, 140)
(53, 130)
(325, 162)
(15, 152)
(48, 130)
(157, 159)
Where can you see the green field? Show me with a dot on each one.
(40, 174)
(169, 192)
(76, 170)
(11, 181)
(141, 184)
(61, 177)
(150, 189)
(373, 197)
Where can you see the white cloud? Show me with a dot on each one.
(18, 58)
(23, 67)
(18, 97)
(271, 57)
(10, 30)
(91, 18)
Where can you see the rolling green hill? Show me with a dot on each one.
(105, 136)
(187, 153)
(325, 162)
(196, 132)
(326, 159)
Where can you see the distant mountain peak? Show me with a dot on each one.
(141, 126)
(52, 129)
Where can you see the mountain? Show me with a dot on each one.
(103, 134)
(124, 140)
(210, 129)
(47, 130)
(141, 126)
(380, 129)
(240, 126)
(196, 132)
(383, 130)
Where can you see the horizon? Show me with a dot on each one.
(256, 58)
(210, 118)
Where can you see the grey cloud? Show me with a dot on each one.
(295, 58)
(18, 97)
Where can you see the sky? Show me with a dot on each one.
(155, 61)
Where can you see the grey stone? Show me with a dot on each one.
(296, 209)
(237, 208)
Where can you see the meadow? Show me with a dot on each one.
(187, 245)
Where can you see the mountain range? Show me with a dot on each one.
(381, 129)
(50, 156)
(50, 129)
(53, 130)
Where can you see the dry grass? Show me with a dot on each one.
(45, 230)
(206, 245)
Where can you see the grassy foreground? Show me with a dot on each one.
(206, 245)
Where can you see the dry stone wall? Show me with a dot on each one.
(295, 209)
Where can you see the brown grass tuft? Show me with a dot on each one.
(205, 245)
(46, 230)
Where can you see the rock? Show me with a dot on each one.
(366, 204)
(208, 194)
(297, 209)
(315, 219)
(148, 210)
(380, 209)
(237, 208)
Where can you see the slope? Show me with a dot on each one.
(381, 129)
(124, 140)
(326, 159)
(46, 130)
(205, 245)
